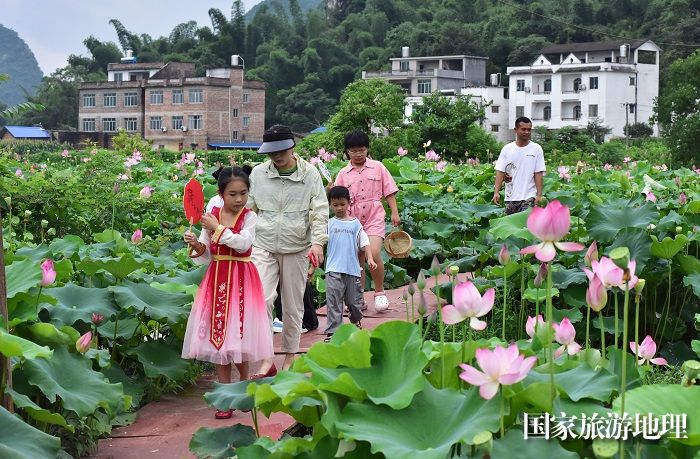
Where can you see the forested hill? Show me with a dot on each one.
(304, 5)
(17, 61)
(308, 57)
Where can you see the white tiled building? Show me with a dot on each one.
(569, 85)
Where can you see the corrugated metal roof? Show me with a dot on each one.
(28, 132)
(608, 45)
(239, 146)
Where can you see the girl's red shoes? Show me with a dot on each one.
(271, 372)
(223, 414)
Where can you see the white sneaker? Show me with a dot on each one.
(303, 330)
(277, 325)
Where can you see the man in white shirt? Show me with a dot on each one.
(520, 165)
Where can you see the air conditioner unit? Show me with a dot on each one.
(184, 128)
(527, 88)
(582, 87)
(164, 129)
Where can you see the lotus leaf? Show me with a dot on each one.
(118, 267)
(637, 241)
(47, 334)
(290, 393)
(514, 446)
(578, 381)
(511, 225)
(231, 396)
(664, 399)
(605, 221)
(79, 303)
(425, 248)
(19, 440)
(36, 412)
(668, 248)
(157, 303)
(132, 387)
(221, 443)
(70, 377)
(36, 254)
(15, 346)
(23, 307)
(693, 280)
(160, 358)
(66, 247)
(435, 420)
(688, 263)
(410, 174)
(614, 366)
(20, 276)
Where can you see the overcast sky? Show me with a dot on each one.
(53, 29)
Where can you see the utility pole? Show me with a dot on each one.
(627, 124)
(5, 365)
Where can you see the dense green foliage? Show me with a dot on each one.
(307, 56)
(17, 61)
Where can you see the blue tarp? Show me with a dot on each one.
(28, 132)
(318, 130)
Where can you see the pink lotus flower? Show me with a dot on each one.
(532, 324)
(83, 343)
(504, 255)
(87, 159)
(314, 160)
(631, 267)
(501, 366)
(607, 271)
(430, 155)
(651, 196)
(18, 173)
(199, 171)
(189, 157)
(541, 274)
(137, 236)
(65, 154)
(468, 303)
(646, 352)
(550, 224)
(591, 254)
(596, 294)
(682, 199)
(565, 334)
(626, 159)
(97, 318)
(48, 273)
(607, 167)
(146, 192)
(440, 166)
(564, 173)
(402, 151)
(123, 177)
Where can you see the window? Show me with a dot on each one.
(88, 100)
(547, 85)
(246, 97)
(577, 112)
(592, 110)
(110, 99)
(131, 124)
(403, 66)
(131, 99)
(520, 85)
(547, 113)
(632, 108)
(196, 96)
(494, 109)
(519, 111)
(246, 121)
(109, 124)
(89, 124)
(195, 122)
(425, 86)
(234, 113)
(156, 122)
(593, 83)
(234, 135)
(178, 96)
(632, 80)
(177, 122)
(494, 128)
(156, 96)
(118, 76)
(577, 84)
(646, 57)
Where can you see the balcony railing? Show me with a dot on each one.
(398, 74)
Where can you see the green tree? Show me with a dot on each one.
(55, 105)
(369, 103)
(678, 111)
(305, 106)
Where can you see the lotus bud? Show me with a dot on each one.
(8, 200)
(450, 189)
(435, 266)
(116, 188)
(639, 286)
(48, 273)
(137, 236)
(679, 229)
(422, 304)
(411, 288)
(541, 274)
(83, 343)
(591, 254)
(504, 255)
(454, 270)
(27, 213)
(421, 282)
(432, 317)
(51, 231)
(621, 257)
(44, 223)
(97, 318)
(404, 295)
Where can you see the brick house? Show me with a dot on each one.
(169, 105)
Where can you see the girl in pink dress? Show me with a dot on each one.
(369, 181)
(228, 323)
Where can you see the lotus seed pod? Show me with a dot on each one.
(620, 256)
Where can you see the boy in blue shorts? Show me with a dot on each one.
(345, 238)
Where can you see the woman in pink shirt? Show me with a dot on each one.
(369, 181)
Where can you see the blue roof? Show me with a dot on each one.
(28, 132)
(239, 145)
(318, 130)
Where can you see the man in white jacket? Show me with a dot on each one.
(288, 195)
